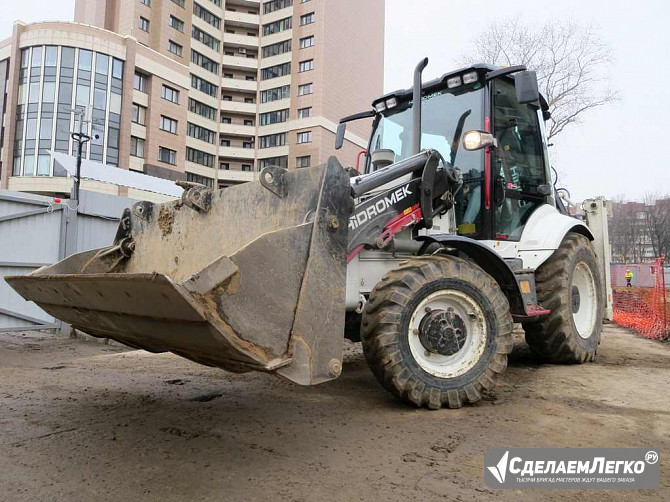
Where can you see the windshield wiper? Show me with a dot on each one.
(457, 136)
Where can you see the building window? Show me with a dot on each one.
(201, 180)
(203, 86)
(226, 120)
(304, 113)
(306, 65)
(251, 78)
(304, 161)
(273, 161)
(305, 89)
(144, 24)
(204, 62)
(307, 42)
(248, 100)
(140, 82)
(247, 144)
(276, 5)
(205, 38)
(276, 49)
(248, 122)
(246, 167)
(179, 2)
(170, 94)
(177, 24)
(276, 71)
(168, 124)
(199, 157)
(201, 133)
(201, 109)
(175, 48)
(272, 140)
(206, 16)
(224, 142)
(278, 26)
(166, 155)
(304, 137)
(226, 98)
(276, 94)
(225, 166)
(139, 114)
(136, 147)
(275, 117)
(146, 2)
(307, 19)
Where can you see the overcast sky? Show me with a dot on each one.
(615, 150)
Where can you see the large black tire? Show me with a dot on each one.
(556, 338)
(386, 331)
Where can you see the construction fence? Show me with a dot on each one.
(36, 231)
(644, 305)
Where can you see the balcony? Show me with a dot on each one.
(238, 84)
(230, 40)
(235, 176)
(234, 152)
(238, 107)
(241, 19)
(237, 130)
(239, 62)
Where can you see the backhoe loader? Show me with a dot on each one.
(449, 233)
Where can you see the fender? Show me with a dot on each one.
(493, 264)
(543, 233)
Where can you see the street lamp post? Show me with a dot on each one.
(81, 138)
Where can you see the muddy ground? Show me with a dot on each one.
(82, 421)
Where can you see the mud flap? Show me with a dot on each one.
(248, 280)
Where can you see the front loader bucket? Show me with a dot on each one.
(251, 277)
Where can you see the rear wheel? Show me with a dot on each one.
(436, 332)
(568, 284)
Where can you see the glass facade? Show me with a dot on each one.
(52, 81)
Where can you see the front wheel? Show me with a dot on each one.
(569, 285)
(436, 332)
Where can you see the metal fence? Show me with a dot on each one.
(35, 231)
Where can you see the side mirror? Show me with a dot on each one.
(339, 138)
(476, 140)
(526, 87)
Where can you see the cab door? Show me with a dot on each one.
(518, 167)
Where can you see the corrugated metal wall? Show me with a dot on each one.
(35, 232)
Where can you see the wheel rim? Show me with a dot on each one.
(583, 300)
(447, 333)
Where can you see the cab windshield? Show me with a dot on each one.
(445, 116)
(441, 113)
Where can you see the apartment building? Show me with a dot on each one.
(193, 89)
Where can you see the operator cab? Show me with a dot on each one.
(502, 184)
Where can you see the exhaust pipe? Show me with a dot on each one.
(416, 110)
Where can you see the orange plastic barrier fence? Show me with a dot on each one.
(645, 310)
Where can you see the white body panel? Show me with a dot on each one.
(541, 236)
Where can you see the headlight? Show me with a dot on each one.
(468, 78)
(380, 106)
(391, 102)
(475, 140)
(453, 82)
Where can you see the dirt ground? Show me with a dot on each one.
(84, 421)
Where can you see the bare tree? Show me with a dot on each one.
(628, 231)
(657, 210)
(570, 61)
